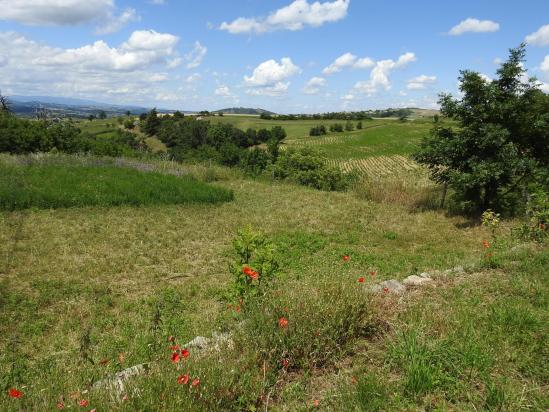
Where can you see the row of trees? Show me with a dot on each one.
(334, 128)
(361, 115)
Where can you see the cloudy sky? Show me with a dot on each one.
(281, 55)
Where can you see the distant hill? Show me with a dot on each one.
(243, 110)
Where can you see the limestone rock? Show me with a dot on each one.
(392, 286)
(415, 280)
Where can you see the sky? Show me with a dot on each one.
(287, 56)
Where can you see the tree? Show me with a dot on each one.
(102, 114)
(359, 126)
(128, 113)
(349, 126)
(278, 133)
(152, 123)
(501, 140)
(91, 117)
(4, 104)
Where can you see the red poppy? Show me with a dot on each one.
(315, 403)
(60, 405)
(237, 308)
(249, 272)
(14, 393)
(104, 361)
(185, 353)
(171, 339)
(346, 258)
(373, 273)
(361, 280)
(354, 380)
(542, 226)
(485, 244)
(183, 379)
(285, 363)
(175, 347)
(282, 322)
(195, 382)
(175, 357)
(83, 403)
(386, 289)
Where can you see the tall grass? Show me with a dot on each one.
(45, 186)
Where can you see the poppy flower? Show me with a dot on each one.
(485, 244)
(185, 353)
(175, 357)
(195, 382)
(542, 226)
(83, 403)
(386, 289)
(183, 379)
(282, 322)
(361, 280)
(14, 393)
(373, 273)
(315, 403)
(346, 258)
(285, 363)
(237, 308)
(249, 272)
(60, 405)
(175, 347)
(103, 361)
(125, 398)
(354, 380)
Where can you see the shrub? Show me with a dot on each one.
(336, 127)
(349, 126)
(254, 161)
(308, 167)
(317, 130)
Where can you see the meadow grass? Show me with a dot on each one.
(46, 186)
(88, 292)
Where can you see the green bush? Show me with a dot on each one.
(308, 167)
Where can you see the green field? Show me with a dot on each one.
(90, 290)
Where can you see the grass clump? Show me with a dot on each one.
(48, 186)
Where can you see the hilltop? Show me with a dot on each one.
(244, 110)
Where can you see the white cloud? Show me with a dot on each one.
(295, 16)
(420, 82)
(114, 23)
(497, 60)
(127, 73)
(348, 60)
(223, 91)
(313, 85)
(545, 65)
(379, 76)
(348, 97)
(540, 37)
(157, 2)
(67, 13)
(196, 56)
(270, 72)
(471, 25)
(274, 90)
(193, 78)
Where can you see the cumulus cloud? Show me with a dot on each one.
(420, 82)
(270, 72)
(348, 60)
(295, 16)
(114, 23)
(471, 25)
(196, 56)
(67, 13)
(223, 91)
(379, 76)
(127, 72)
(545, 65)
(539, 37)
(313, 85)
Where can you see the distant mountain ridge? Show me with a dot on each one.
(243, 110)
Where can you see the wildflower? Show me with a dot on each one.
(175, 357)
(485, 244)
(14, 393)
(361, 279)
(251, 273)
(386, 289)
(542, 226)
(175, 347)
(183, 379)
(285, 363)
(488, 255)
(283, 322)
(60, 405)
(373, 273)
(185, 353)
(346, 258)
(354, 380)
(103, 361)
(315, 403)
(125, 397)
(237, 308)
(83, 403)
(195, 382)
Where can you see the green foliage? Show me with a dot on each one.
(359, 125)
(255, 161)
(317, 130)
(500, 142)
(336, 127)
(152, 123)
(349, 126)
(537, 213)
(46, 186)
(255, 264)
(129, 124)
(308, 167)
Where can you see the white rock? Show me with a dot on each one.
(417, 280)
(393, 286)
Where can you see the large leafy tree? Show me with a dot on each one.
(498, 141)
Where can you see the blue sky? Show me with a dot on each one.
(279, 54)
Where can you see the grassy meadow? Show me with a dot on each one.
(89, 290)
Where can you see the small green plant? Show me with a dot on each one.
(255, 264)
(490, 219)
(537, 212)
